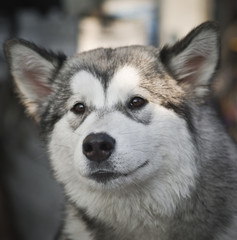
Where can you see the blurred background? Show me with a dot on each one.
(30, 200)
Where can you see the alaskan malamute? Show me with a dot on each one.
(133, 138)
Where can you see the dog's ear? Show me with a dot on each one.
(33, 69)
(193, 60)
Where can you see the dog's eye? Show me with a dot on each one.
(78, 108)
(137, 102)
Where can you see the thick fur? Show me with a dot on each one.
(173, 165)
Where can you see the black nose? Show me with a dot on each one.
(98, 146)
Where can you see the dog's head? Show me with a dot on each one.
(120, 117)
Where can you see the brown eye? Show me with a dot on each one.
(78, 108)
(137, 102)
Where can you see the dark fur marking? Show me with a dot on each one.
(55, 109)
(184, 111)
(133, 114)
(101, 63)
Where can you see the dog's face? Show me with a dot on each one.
(116, 118)
(117, 128)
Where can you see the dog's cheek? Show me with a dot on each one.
(61, 150)
(174, 149)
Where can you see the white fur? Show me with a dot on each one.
(86, 88)
(162, 183)
(124, 83)
(147, 194)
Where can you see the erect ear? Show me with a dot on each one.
(33, 69)
(193, 60)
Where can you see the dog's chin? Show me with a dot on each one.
(110, 178)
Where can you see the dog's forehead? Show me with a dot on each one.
(85, 86)
(106, 77)
(125, 82)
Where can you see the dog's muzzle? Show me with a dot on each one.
(98, 147)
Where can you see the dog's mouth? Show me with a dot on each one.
(104, 176)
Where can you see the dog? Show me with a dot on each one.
(133, 137)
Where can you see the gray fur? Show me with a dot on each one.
(207, 209)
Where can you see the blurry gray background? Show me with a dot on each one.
(31, 202)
